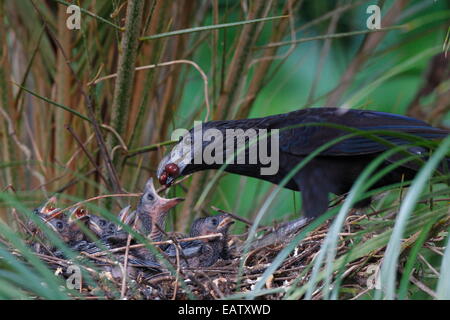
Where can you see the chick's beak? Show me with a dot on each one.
(95, 227)
(226, 222)
(167, 204)
(49, 206)
(78, 214)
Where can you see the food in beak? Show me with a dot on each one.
(163, 178)
(170, 173)
(172, 169)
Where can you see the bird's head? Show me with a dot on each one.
(100, 226)
(175, 162)
(78, 219)
(60, 227)
(67, 230)
(46, 211)
(78, 214)
(210, 225)
(152, 203)
(183, 158)
(48, 208)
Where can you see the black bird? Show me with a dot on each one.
(301, 132)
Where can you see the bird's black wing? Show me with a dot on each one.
(302, 140)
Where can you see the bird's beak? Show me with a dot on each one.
(170, 180)
(181, 156)
(167, 204)
(95, 227)
(126, 216)
(50, 206)
(226, 222)
(78, 214)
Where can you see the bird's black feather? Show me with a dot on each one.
(335, 169)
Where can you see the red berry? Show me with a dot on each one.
(163, 178)
(172, 169)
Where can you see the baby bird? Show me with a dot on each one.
(107, 231)
(42, 212)
(102, 227)
(66, 227)
(69, 228)
(151, 212)
(205, 252)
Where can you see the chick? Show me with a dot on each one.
(69, 229)
(152, 212)
(42, 212)
(103, 227)
(205, 252)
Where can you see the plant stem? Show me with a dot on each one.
(125, 72)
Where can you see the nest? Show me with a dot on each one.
(231, 277)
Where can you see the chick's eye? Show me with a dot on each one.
(102, 223)
(214, 222)
(150, 197)
(59, 225)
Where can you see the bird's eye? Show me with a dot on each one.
(150, 197)
(214, 222)
(102, 223)
(112, 227)
(59, 225)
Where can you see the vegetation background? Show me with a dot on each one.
(66, 129)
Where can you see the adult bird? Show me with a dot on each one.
(301, 132)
